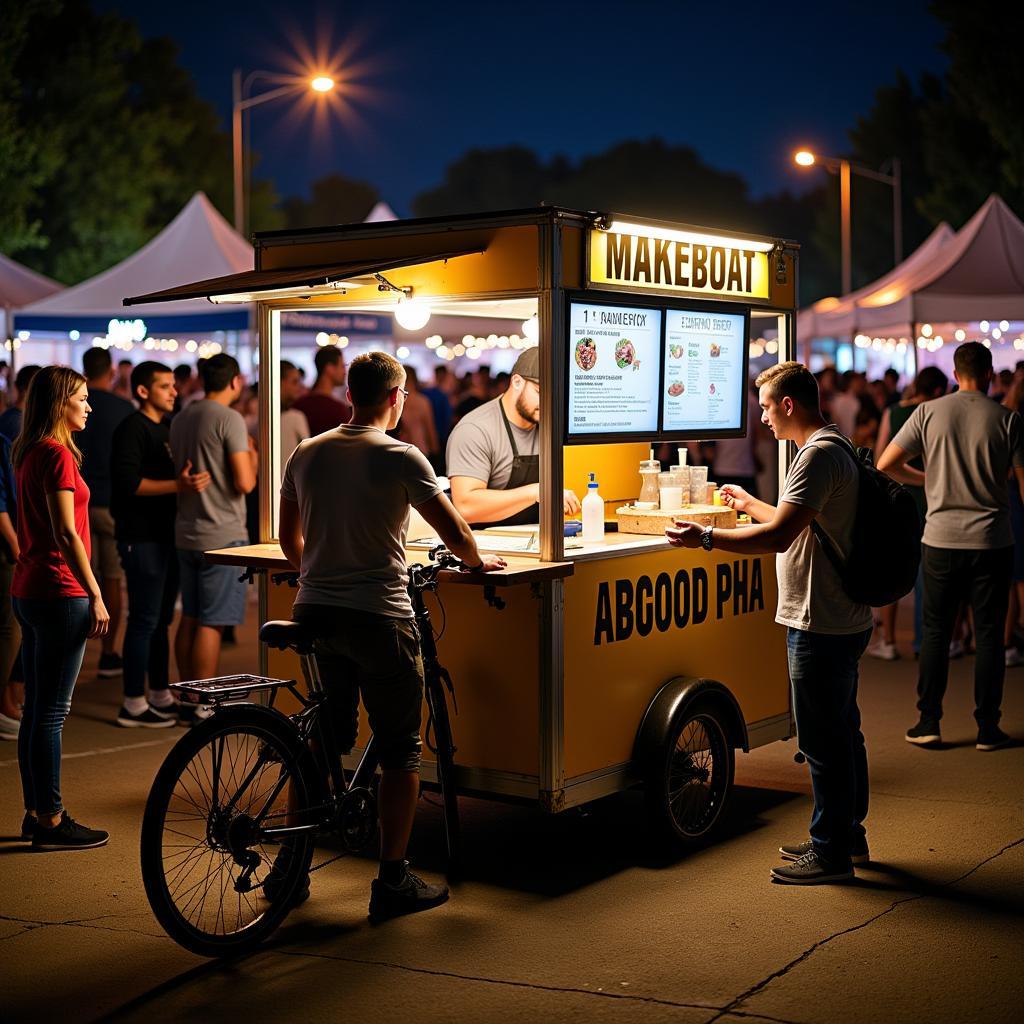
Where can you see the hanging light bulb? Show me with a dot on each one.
(412, 314)
(530, 328)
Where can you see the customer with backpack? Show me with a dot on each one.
(969, 444)
(827, 631)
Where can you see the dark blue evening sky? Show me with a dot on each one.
(742, 83)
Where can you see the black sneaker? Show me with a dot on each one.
(409, 896)
(148, 719)
(991, 737)
(110, 665)
(28, 826)
(810, 869)
(67, 834)
(924, 734)
(273, 884)
(193, 714)
(859, 854)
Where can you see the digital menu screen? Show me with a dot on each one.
(705, 371)
(614, 370)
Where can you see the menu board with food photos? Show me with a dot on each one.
(705, 366)
(614, 370)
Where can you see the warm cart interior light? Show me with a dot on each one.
(625, 227)
(412, 314)
(1004, 325)
(322, 83)
(402, 352)
(926, 330)
(960, 334)
(530, 328)
(984, 325)
(804, 157)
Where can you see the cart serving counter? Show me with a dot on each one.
(579, 670)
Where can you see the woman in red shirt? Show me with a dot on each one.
(56, 597)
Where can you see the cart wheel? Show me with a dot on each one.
(689, 781)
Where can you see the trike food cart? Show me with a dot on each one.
(580, 670)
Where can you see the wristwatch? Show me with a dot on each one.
(706, 538)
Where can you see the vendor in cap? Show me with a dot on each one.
(493, 463)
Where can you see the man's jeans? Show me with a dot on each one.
(823, 673)
(53, 637)
(983, 578)
(151, 569)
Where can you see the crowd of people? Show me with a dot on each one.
(117, 480)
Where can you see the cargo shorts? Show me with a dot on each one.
(106, 562)
(377, 657)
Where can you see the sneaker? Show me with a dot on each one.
(110, 665)
(148, 719)
(9, 727)
(956, 650)
(273, 883)
(67, 834)
(1013, 657)
(924, 734)
(991, 737)
(859, 854)
(810, 869)
(883, 651)
(410, 896)
(28, 826)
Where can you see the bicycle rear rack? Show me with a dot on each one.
(224, 689)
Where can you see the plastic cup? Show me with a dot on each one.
(698, 484)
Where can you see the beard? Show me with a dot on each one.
(528, 414)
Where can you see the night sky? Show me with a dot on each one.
(744, 84)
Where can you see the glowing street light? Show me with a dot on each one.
(806, 158)
(241, 102)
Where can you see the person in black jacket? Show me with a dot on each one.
(144, 501)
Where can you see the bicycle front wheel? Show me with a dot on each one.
(209, 836)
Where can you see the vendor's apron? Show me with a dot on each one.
(525, 470)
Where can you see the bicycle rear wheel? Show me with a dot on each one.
(445, 752)
(205, 852)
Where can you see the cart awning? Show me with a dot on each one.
(254, 284)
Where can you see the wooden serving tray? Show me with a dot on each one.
(654, 521)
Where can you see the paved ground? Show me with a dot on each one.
(564, 919)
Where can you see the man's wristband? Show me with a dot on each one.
(473, 568)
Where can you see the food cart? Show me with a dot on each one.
(580, 670)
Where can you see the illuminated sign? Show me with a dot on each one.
(648, 257)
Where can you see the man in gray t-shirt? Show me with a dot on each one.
(493, 461)
(345, 502)
(826, 631)
(973, 451)
(208, 436)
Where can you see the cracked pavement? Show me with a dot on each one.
(571, 918)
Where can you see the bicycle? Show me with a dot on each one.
(242, 798)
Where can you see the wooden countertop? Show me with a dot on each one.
(521, 569)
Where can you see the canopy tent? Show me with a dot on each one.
(19, 286)
(199, 242)
(976, 274)
(838, 317)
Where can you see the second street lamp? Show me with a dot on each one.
(805, 158)
(241, 102)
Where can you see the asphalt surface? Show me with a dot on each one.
(573, 918)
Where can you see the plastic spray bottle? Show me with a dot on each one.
(593, 514)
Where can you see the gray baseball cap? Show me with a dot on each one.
(528, 364)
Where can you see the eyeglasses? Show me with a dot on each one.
(404, 392)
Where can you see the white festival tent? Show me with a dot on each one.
(978, 274)
(18, 287)
(837, 317)
(198, 243)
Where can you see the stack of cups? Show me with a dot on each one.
(681, 478)
(699, 484)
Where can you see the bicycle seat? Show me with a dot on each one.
(284, 634)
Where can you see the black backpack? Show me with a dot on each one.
(886, 551)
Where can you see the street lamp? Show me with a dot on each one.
(805, 158)
(242, 102)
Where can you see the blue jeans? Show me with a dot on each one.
(53, 637)
(823, 674)
(151, 571)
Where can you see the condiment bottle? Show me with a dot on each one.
(593, 514)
